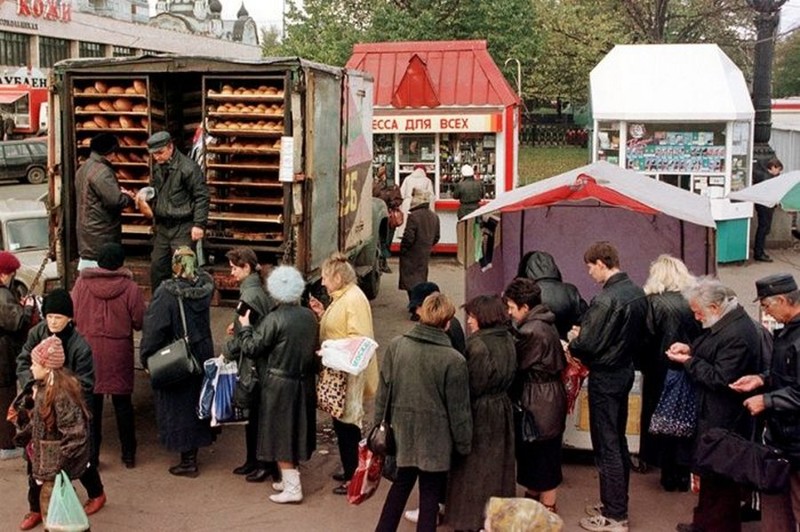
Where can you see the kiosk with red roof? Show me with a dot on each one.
(440, 105)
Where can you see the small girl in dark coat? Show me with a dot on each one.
(179, 429)
(56, 429)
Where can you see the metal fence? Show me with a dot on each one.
(555, 135)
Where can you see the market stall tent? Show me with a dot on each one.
(565, 214)
(680, 114)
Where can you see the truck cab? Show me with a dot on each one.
(24, 232)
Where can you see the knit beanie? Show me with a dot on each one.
(58, 302)
(49, 353)
(286, 284)
(9, 263)
(111, 256)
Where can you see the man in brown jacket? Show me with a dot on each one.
(419, 237)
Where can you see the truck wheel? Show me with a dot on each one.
(36, 176)
(370, 284)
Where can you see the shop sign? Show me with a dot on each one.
(58, 10)
(438, 123)
(32, 77)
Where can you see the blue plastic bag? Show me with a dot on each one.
(65, 513)
(675, 413)
(205, 404)
(224, 388)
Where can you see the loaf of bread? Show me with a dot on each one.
(114, 124)
(139, 86)
(145, 122)
(123, 104)
(92, 107)
(128, 140)
(127, 122)
(100, 87)
(90, 90)
(101, 121)
(105, 105)
(116, 89)
(130, 90)
(124, 174)
(140, 108)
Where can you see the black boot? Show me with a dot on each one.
(188, 465)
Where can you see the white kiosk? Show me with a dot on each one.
(681, 114)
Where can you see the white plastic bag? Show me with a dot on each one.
(351, 355)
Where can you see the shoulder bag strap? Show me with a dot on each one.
(183, 319)
(387, 409)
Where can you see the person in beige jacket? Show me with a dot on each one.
(347, 315)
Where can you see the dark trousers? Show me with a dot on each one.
(90, 480)
(347, 436)
(718, 504)
(608, 417)
(126, 426)
(165, 241)
(430, 489)
(7, 430)
(251, 434)
(764, 217)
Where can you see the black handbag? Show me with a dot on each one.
(381, 437)
(524, 423)
(174, 363)
(245, 394)
(746, 462)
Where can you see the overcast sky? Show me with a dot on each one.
(268, 12)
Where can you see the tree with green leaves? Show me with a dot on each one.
(786, 74)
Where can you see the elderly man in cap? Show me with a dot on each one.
(100, 201)
(420, 235)
(180, 205)
(778, 395)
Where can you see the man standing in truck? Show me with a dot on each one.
(100, 201)
(180, 204)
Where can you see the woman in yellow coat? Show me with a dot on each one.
(347, 315)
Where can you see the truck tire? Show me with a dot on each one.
(36, 175)
(370, 284)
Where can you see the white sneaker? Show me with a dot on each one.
(11, 454)
(601, 523)
(413, 515)
(594, 509)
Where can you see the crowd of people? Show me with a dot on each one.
(473, 415)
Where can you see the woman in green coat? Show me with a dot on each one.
(492, 363)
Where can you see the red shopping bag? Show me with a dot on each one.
(367, 476)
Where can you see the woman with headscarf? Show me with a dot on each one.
(347, 315)
(179, 428)
(421, 234)
(284, 346)
(669, 320)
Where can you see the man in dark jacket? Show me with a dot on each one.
(100, 201)
(562, 298)
(727, 349)
(761, 172)
(419, 237)
(58, 311)
(181, 204)
(779, 395)
(14, 321)
(609, 338)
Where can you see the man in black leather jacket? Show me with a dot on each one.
(609, 337)
(180, 205)
(779, 394)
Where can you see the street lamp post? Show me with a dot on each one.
(767, 17)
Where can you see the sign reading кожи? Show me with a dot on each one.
(57, 10)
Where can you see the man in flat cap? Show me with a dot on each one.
(100, 201)
(778, 395)
(180, 205)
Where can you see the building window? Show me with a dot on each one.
(14, 49)
(52, 50)
(91, 49)
(123, 51)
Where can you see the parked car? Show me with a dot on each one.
(24, 160)
(24, 232)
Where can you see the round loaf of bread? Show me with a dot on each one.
(128, 140)
(140, 108)
(116, 89)
(90, 124)
(124, 174)
(100, 87)
(87, 140)
(145, 122)
(114, 124)
(101, 121)
(93, 107)
(139, 86)
(105, 105)
(127, 122)
(123, 104)
(130, 90)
